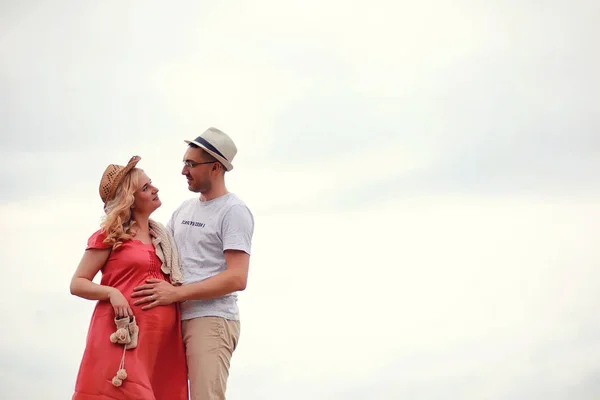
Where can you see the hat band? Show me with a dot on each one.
(209, 146)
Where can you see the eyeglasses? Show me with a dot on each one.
(192, 164)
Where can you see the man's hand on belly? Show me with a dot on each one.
(155, 292)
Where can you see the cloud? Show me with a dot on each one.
(487, 97)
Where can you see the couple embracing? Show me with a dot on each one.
(166, 305)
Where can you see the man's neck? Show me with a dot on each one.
(214, 193)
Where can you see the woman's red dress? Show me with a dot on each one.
(156, 368)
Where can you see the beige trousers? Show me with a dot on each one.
(209, 345)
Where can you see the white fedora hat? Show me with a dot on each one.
(217, 144)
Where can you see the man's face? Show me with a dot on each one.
(198, 170)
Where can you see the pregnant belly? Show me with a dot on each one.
(159, 317)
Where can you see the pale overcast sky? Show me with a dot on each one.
(425, 179)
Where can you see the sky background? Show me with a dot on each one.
(424, 176)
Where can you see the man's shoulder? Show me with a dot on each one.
(235, 202)
(233, 199)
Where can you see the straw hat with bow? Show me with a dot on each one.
(218, 144)
(113, 176)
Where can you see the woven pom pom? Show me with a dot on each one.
(122, 374)
(113, 338)
(116, 381)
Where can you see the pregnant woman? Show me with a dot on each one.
(129, 354)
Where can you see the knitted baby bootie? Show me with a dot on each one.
(133, 333)
(121, 336)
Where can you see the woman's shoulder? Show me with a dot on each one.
(154, 224)
(96, 240)
(157, 230)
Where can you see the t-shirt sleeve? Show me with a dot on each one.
(238, 228)
(96, 241)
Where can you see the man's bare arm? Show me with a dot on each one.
(233, 279)
(156, 292)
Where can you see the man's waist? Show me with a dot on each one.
(227, 298)
(225, 307)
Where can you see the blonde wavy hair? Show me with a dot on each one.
(117, 224)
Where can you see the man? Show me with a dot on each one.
(213, 234)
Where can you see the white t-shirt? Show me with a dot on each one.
(202, 232)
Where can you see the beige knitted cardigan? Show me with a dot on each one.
(166, 250)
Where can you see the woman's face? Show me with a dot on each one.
(146, 196)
